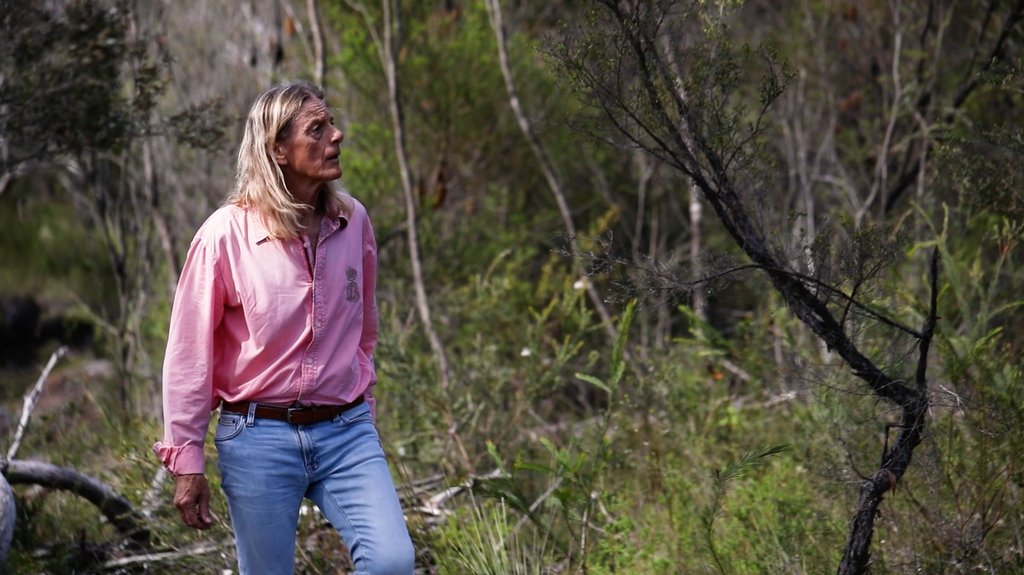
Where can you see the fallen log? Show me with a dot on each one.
(7, 515)
(115, 508)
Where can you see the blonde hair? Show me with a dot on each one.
(259, 181)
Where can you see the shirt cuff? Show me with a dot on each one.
(181, 460)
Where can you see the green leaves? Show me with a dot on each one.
(618, 364)
(721, 478)
(594, 381)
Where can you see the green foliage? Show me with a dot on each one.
(61, 78)
(482, 542)
(721, 478)
(48, 251)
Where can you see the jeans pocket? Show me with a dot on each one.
(357, 414)
(229, 425)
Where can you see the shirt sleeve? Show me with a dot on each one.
(188, 364)
(368, 338)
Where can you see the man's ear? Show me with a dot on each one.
(279, 156)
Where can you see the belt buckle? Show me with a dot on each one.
(288, 414)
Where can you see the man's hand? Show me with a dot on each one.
(192, 498)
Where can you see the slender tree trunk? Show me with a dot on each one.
(697, 299)
(645, 171)
(392, 35)
(163, 230)
(318, 43)
(494, 10)
(857, 555)
(147, 209)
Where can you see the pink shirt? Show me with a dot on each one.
(253, 321)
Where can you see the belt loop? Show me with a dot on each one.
(251, 416)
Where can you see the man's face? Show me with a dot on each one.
(309, 153)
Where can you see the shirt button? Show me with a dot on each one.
(319, 324)
(309, 360)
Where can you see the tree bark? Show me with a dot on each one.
(114, 507)
(392, 35)
(318, 43)
(895, 461)
(697, 300)
(8, 513)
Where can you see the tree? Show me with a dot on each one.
(79, 96)
(666, 77)
(52, 62)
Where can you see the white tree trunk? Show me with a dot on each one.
(696, 238)
(318, 43)
(392, 32)
(494, 10)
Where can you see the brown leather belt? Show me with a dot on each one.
(297, 415)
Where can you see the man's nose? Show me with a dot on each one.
(338, 135)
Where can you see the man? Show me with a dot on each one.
(275, 320)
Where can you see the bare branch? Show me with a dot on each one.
(31, 399)
(359, 7)
(164, 556)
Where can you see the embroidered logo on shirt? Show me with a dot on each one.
(352, 289)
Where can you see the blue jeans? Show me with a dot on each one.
(268, 466)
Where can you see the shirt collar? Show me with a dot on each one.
(259, 232)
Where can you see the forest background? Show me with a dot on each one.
(665, 286)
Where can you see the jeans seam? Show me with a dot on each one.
(301, 447)
(313, 462)
(357, 543)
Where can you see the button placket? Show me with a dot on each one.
(310, 369)
(307, 370)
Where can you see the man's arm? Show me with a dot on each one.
(368, 337)
(188, 381)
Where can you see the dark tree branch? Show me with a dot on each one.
(895, 461)
(993, 54)
(672, 284)
(114, 507)
(929, 327)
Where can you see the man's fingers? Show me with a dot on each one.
(192, 517)
(192, 498)
(204, 506)
(188, 517)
